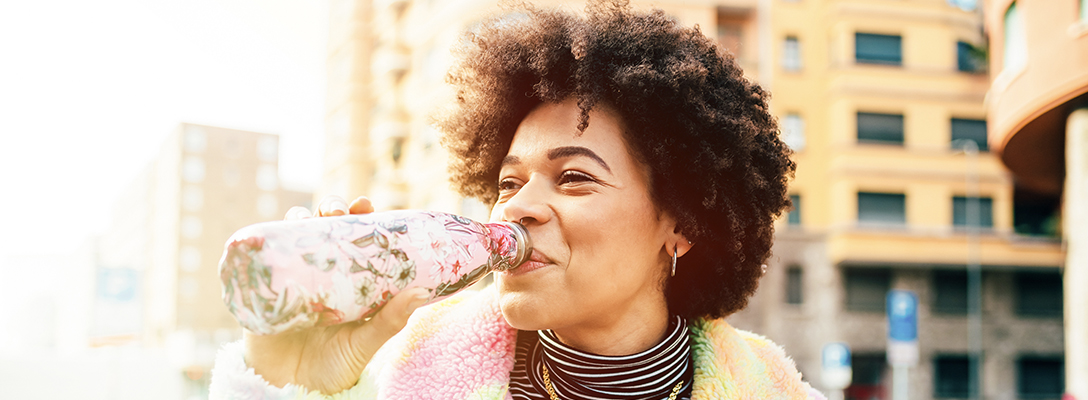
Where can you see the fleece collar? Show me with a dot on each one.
(463, 348)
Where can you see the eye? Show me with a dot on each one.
(569, 177)
(508, 184)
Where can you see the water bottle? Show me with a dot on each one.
(288, 275)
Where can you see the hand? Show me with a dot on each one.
(329, 359)
(331, 206)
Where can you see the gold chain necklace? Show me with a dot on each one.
(551, 390)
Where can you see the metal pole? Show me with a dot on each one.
(1075, 271)
(899, 382)
(974, 273)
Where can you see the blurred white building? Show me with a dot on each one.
(167, 238)
(138, 311)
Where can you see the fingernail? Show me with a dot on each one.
(297, 212)
(418, 300)
(338, 205)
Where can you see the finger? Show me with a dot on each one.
(390, 320)
(361, 205)
(332, 205)
(297, 212)
(274, 357)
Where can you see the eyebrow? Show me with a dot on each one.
(572, 151)
(563, 152)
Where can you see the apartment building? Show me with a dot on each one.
(166, 238)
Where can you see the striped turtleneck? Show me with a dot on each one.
(651, 374)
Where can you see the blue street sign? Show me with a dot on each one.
(836, 373)
(902, 316)
(965, 5)
(836, 355)
(117, 284)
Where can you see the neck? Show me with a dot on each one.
(629, 333)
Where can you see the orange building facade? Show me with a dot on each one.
(1038, 119)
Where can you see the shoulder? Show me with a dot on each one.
(745, 362)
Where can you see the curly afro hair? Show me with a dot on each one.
(712, 148)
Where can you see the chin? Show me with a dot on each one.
(523, 312)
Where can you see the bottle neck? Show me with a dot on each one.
(515, 232)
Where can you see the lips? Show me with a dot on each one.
(537, 260)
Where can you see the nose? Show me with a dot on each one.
(528, 206)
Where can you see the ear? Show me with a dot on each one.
(676, 240)
(681, 245)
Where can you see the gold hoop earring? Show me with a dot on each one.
(673, 261)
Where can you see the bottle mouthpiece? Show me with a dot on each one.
(524, 244)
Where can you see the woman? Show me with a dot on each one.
(648, 172)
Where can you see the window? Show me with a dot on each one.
(1040, 377)
(952, 376)
(268, 148)
(794, 291)
(794, 215)
(880, 128)
(882, 208)
(188, 288)
(950, 292)
(969, 129)
(267, 179)
(1039, 294)
(985, 212)
(868, 376)
(793, 132)
(791, 54)
(196, 139)
(969, 59)
(731, 26)
(192, 198)
(870, 48)
(868, 368)
(1034, 213)
(192, 170)
(866, 289)
(1016, 44)
(189, 258)
(191, 227)
(731, 36)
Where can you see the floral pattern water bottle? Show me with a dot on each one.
(289, 275)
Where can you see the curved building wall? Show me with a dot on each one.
(1030, 97)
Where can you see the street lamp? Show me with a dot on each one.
(974, 269)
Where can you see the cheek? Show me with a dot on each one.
(622, 236)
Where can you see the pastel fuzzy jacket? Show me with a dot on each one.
(462, 348)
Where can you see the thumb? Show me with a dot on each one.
(391, 319)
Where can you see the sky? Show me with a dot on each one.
(89, 91)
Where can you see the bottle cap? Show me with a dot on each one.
(525, 245)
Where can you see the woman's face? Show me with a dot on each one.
(600, 244)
